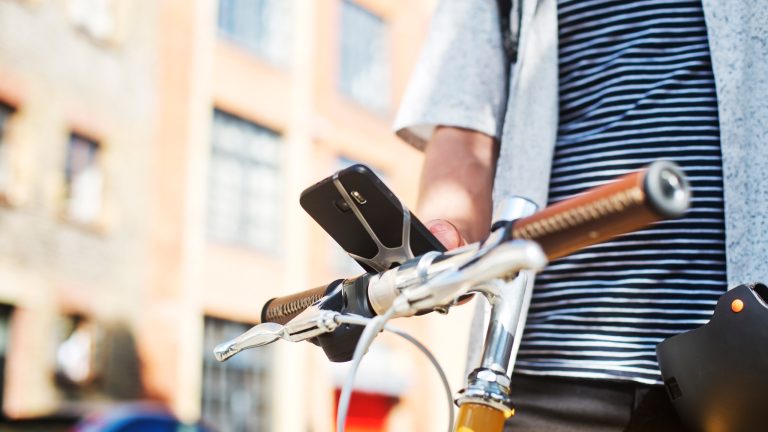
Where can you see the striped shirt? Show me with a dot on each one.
(636, 85)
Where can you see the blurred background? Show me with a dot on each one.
(152, 154)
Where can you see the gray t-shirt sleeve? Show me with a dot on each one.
(460, 78)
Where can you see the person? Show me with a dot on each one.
(599, 88)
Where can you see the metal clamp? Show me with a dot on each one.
(487, 387)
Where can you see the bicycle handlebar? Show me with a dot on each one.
(659, 191)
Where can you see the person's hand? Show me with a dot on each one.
(447, 233)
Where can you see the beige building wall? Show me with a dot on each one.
(146, 92)
(60, 79)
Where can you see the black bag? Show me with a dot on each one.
(717, 374)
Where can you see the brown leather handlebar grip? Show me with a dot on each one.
(283, 309)
(659, 191)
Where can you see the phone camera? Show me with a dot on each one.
(342, 205)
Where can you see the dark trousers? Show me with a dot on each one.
(549, 404)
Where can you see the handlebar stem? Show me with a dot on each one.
(489, 384)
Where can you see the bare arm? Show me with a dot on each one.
(456, 184)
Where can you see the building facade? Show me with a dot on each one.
(151, 159)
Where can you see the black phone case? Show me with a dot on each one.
(379, 208)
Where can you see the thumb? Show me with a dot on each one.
(447, 233)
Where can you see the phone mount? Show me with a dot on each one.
(386, 257)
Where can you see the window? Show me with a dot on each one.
(84, 180)
(5, 336)
(260, 26)
(96, 18)
(365, 74)
(244, 184)
(237, 393)
(5, 114)
(76, 366)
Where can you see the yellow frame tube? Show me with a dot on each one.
(479, 418)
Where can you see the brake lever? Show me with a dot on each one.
(258, 335)
(312, 322)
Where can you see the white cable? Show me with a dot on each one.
(366, 338)
(358, 320)
(372, 328)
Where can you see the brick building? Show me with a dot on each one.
(151, 159)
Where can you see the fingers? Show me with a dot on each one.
(447, 233)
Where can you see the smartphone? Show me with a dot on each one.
(353, 198)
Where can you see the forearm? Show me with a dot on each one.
(457, 180)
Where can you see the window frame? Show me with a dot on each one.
(6, 342)
(258, 46)
(7, 113)
(249, 164)
(97, 223)
(248, 366)
(386, 37)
